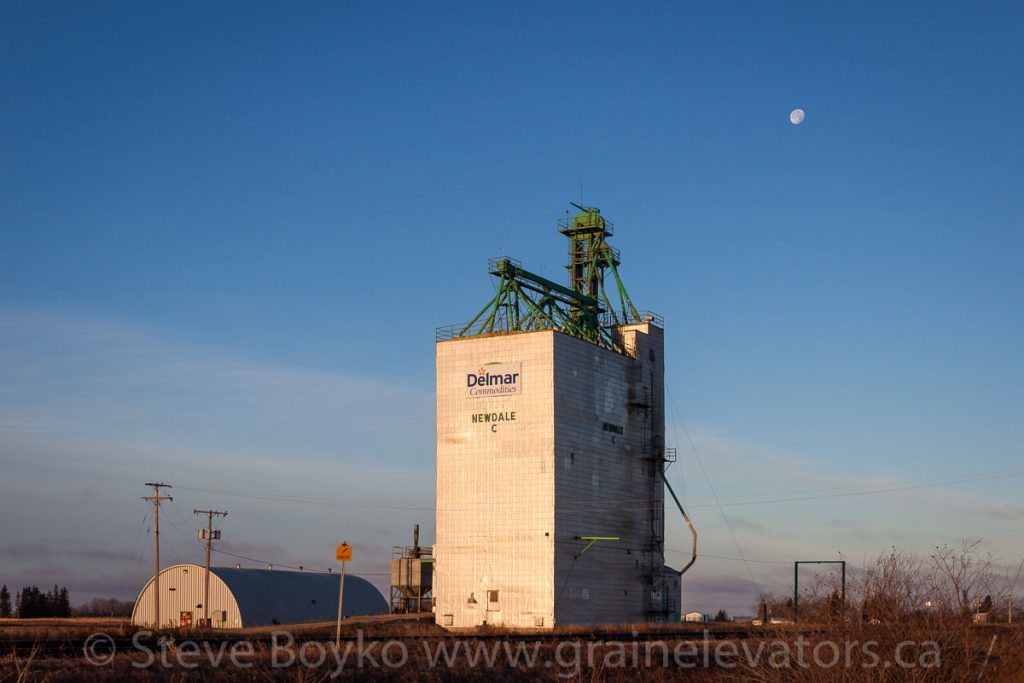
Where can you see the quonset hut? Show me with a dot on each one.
(551, 450)
(252, 597)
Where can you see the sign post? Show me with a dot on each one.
(343, 554)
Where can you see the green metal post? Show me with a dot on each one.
(796, 592)
(844, 591)
(796, 583)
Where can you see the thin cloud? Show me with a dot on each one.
(1007, 513)
(25, 552)
(37, 551)
(69, 376)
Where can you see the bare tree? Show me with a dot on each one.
(961, 577)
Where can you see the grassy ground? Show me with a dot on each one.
(77, 627)
(421, 651)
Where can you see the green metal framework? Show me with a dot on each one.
(590, 256)
(524, 301)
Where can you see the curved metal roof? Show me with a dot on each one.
(266, 597)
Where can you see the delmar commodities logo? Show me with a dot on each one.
(494, 379)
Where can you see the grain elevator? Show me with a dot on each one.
(551, 450)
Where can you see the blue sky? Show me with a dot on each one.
(227, 234)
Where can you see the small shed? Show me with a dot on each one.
(241, 597)
(673, 594)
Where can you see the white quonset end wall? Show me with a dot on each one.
(181, 594)
(543, 438)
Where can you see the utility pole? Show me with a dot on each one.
(210, 534)
(155, 499)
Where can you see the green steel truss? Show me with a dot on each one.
(524, 301)
(590, 256)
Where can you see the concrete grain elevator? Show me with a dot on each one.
(551, 450)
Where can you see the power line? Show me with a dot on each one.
(136, 555)
(574, 543)
(178, 527)
(871, 492)
(1009, 595)
(176, 552)
(679, 470)
(721, 509)
(611, 505)
(182, 517)
(1017, 578)
(270, 563)
(731, 559)
(355, 502)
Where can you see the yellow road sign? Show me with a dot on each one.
(343, 553)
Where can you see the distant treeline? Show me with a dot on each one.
(30, 602)
(105, 607)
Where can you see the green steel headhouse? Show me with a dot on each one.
(587, 309)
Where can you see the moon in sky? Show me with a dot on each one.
(796, 117)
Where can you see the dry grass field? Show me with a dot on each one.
(404, 649)
(907, 619)
(63, 628)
